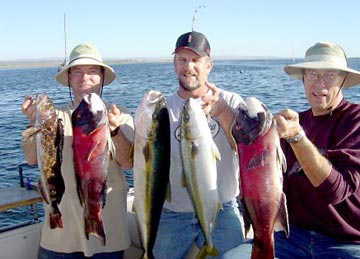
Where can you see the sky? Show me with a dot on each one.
(148, 29)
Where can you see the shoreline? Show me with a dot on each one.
(38, 63)
(19, 64)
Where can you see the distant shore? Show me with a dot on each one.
(34, 63)
(56, 63)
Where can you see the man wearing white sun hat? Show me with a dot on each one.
(322, 149)
(84, 74)
(322, 183)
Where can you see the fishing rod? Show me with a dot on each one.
(65, 58)
(195, 12)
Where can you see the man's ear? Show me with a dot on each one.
(209, 65)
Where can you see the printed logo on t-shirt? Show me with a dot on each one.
(214, 127)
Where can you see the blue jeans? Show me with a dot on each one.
(177, 232)
(47, 254)
(301, 244)
(309, 244)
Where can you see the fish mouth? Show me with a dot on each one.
(250, 126)
(89, 114)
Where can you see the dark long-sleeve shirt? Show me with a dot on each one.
(333, 208)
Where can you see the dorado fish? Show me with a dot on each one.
(151, 166)
(49, 136)
(262, 164)
(91, 146)
(199, 155)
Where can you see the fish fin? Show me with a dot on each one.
(29, 133)
(96, 228)
(111, 147)
(283, 222)
(194, 150)
(258, 160)
(148, 255)
(215, 151)
(263, 248)
(103, 195)
(55, 218)
(42, 191)
(91, 152)
(168, 192)
(78, 188)
(246, 217)
(281, 158)
(207, 250)
(183, 181)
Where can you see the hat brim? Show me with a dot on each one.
(297, 70)
(199, 53)
(63, 78)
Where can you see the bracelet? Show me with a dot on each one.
(296, 138)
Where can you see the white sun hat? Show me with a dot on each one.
(85, 54)
(324, 55)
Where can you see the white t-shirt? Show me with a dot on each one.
(71, 238)
(227, 168)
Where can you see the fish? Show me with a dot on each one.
(91, 147)
(49, 137)
(199, 157)
(262, 164)
(151, 166)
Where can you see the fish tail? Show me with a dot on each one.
(148, 255)
(42, 191)
(95, 226)
(263, 249)
(55, 218)
(207, 250)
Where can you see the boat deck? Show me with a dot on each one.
(13, 197)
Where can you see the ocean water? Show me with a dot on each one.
(263, 79)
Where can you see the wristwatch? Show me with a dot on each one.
(295, 139)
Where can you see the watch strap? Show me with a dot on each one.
(296, 138)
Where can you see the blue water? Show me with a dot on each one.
(263, 79)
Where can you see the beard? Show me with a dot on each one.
(189, 86)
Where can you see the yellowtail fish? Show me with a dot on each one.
(199, 155)
(151, 166)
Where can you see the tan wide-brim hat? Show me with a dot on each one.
(85, 54)
(325, 55)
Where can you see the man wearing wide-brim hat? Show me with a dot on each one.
(322, 182)
(84, 74)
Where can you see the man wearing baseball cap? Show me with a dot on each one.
(84, 74)
(179, 226)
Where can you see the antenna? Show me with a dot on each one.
(195, 12)
(65, 58)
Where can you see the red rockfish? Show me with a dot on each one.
(262, 164)
(91, 143)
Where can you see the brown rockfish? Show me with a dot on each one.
(49, 145)
(91, 143)
(262, 164)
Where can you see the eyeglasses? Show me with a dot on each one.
(328, 76)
